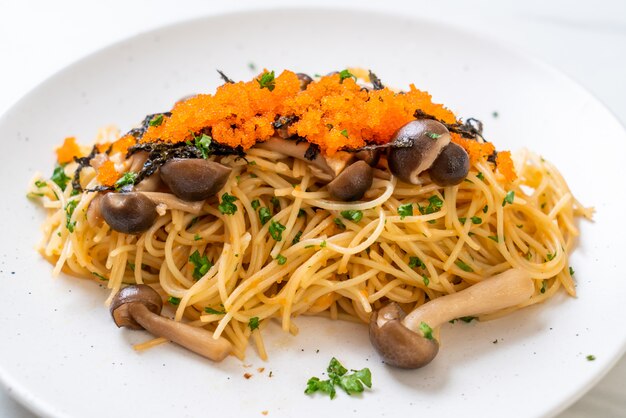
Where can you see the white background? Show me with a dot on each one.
(586, 40)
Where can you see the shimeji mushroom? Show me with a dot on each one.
(194, 179)
(415, 147)
(349, 181)
(139, 307)
(406, 341)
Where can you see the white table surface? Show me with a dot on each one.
(586, 40)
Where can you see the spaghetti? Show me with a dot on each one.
(274, 245)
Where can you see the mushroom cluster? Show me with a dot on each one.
(406, 341)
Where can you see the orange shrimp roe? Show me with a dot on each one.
(505, 165)
(331, 112)
(69, 150)
(107, 174)
(122, 144)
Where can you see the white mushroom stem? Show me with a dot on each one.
(172, 202)
(504, 290)
(330, 165)
(198, 340)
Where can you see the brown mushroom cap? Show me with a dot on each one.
(416, 146)
(194, 179)
(451, 166)
(141, 294)
(396, 344)
(129, 213)
(352, 183)
(370, 156)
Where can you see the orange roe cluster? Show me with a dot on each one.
(332, 112)
(504, 163)
(122, 144)
(69, 150)
(107, 174)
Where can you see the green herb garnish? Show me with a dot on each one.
(276, 230)
(344, 133)
(485, 209)
(296, 239)
(352, 215)
(510, 196)
(426, 330)
(476, 220)
(281, 259)
(591, 357)
(69, 211)
(173, 300)
(125, 180)
(227, 207)
(264, 215)
(40, 183)
(201, 264)
(426, 280)
(323, 244)
(433, 135)
(571, 271)
(551, 256)
(416, 262)
(212, 311)
(543, 286)
(405, 210)
(346, 74)
(253, 323)
(494, 238)
(156, 121)
(267, 81)
(203, 143)
(255, 204)
(59, 177)
(480, 176)
(338, 376)
(100, 276)
(434, 205)
(339, 223)
(463, 266)
(197, 237)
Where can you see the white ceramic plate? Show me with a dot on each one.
(62, 356)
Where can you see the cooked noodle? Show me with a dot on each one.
(339, 268)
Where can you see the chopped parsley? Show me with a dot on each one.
(338, 375)
(434, 205)
(212, 311)
(255, 204)
(352, 215)
(480, 176)
(476, 220)
(59, 177)
(485, 209)
(510, 196)
(264, 215)
(281, 259)
(551, 256)
(203, 143)
(69, 211)
(571, 271)
(346, 74)
(127, 179)
(460, 264)
(253, 323)
(173, 300)
(267, 81)
(323, 244)
(426, 330)
(100, 276)
(296, 239)
(40, 183)
(462, 220)
(197, 237)
(590, 357)
(201, 264)
(339, 223)
(494, 238)
(301, 213)
(433, 135)
(276, 230)
(344, 133)
(416, 262)
(426, 280)
(227, 207)
(405, 210)
(543, 286)
(156, 121)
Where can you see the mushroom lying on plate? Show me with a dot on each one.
(406, 341)
(139, 307)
